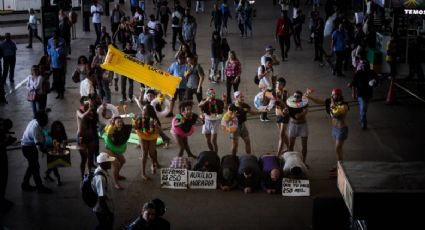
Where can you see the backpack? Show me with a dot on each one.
(256, 78)
(87, 192)
(175, 20)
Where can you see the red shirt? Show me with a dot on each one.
(233, 69)
(282, 27)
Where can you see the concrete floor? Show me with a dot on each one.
(395, 134)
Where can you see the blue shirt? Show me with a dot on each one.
(56, 57)
(147, 40)
(134, 2)
(9, 48)
(338, 38)
(178, 71)
(61, 43)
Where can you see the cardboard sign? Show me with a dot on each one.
(292, 187)
(173, 178)
(202, 180)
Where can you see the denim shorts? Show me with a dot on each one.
(340, 134)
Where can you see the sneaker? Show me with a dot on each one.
(266, 119)
(28, 188)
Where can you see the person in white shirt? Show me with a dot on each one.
(32, 27)
(86, 86)
(96, 11)
(152, 24)
(176, 25)
(104, 208)
(34, 86)
(265, 74)
(293, 166)
(269, 53)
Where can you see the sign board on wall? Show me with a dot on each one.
(202, 180)
(293, 187)
(173, 178)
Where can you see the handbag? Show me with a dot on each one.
(76, 76)
(32, 95)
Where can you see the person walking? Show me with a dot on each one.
(96, 11)
(232, 71)
(32, 142)
(32, 28)
(283, 34)
(34, 87)
(9, 58)
(338, 44)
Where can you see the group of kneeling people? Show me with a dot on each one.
(247, 171)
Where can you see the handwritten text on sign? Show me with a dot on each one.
(291, 187)
(202, 180)
(173, 178)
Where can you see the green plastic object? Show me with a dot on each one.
(134, 139)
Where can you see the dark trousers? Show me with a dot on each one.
(318, 51)
(114, 28)
(97, 30)
(4, 172)
(241, 28)
(9, 67)
(177, 31)
(284, 41)
(58, 80)
(33, 169)
(124, 86)
(229, 84)
(33, 33)
(190, 92)
(340, 56)
(393, 68)
(297, 37)
(106, 221)
(55, 172)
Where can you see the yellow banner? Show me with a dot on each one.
(133, 68)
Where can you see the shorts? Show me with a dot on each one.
(210, 127)
(242, 132)
(297, 130)
(282, 119)
(179, 94)
(340, 134)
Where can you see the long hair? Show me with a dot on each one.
(57, 130)
(151, 113)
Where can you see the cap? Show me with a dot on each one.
(269, 48)
(236, 94)
(104, 157)
(337, 92)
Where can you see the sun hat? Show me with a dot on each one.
(104, 157)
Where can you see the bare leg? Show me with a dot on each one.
(292, 143)
(208, 138)
(235, 144)
(247, 145)
(187, 148)
(283, 139)
(304, 148)
(338, 149)
(145, 153)
(214, 142)
(122, 161)
(115, 169)
(153, 155)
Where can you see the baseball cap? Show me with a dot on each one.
(269, 48)
(104, 157)
(236, 94)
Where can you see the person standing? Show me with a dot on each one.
(298, 109)
(338, 45)
(96, 11)
(195, 77)
(57, 58)
(65, 32)
(129, 51)
(102, 75)
(116, 16)
(34, 86)
(283, 34)
(216, 18)
(32, 142)
(282, 116)
(189, 33)
(104, 208)
(6, 139)
(32, 28)
(212, 110)
(232, 71)
(164, 16)
(176, 26)
(178, 69)
(9, 58)
(215, 55)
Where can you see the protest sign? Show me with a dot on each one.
(202, 180)
(173, 178)
(292, 187)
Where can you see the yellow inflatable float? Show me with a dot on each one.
(133, 68)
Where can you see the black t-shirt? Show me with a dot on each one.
(361, 83)
(242, 110)
(187, 125)
(213, 107)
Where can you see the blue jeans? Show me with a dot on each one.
(363, 105)
(35, 105)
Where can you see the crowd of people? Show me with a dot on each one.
(143, 37)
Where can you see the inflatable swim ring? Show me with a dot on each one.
(179, 131)
(164, 103)
(111, 108)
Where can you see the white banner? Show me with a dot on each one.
(202, 180)
(173, 178)
(292, 187)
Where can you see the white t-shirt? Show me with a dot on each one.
(152, 26)
(86, 87)
(33, 134)
(96, 16)
(100, 185)
(267, 79)
(294, 159)
(179, 16)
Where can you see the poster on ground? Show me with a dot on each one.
(173, 178)
(202, 180)
(293, 187)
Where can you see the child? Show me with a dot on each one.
(59, 141)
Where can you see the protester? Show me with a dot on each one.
(59, 141)
(227, 176)
(298, 109)
(183, 126)
(282, 114)
(271, 180)
(249, 173)
(208, 161)
(293, 166)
